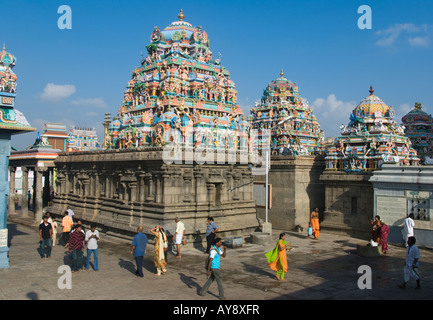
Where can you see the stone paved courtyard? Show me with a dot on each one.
(323, 269)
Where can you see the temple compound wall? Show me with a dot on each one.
(296, 190)
(400, 191)
(122, 189)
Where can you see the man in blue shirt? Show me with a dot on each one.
(211, 230)
(138, 250)
(213, 271)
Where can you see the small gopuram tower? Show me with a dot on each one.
(371, 138)
(294, 127)
(179, 99)
(11, 122)
(296, 142)
(418, 127)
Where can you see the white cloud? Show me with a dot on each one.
(331, 113)
(415, 35)
(419, 41)
(331, 105)
(401, 111)
(90, 102)
(390, 35)
(55, 92)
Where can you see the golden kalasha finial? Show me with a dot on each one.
(4, 47)
(281, 73)
(180, 15)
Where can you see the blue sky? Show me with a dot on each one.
(75, 76)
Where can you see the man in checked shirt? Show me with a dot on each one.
(76, 245)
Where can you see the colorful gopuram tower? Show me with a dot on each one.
(419, 129)
(181, 97)
(371, 138)
(293, 127)
(179, 94)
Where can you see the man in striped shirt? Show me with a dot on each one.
(76, 245)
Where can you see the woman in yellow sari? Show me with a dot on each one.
(277, 258)
(158, 257)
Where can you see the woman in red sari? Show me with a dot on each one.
(383, 241)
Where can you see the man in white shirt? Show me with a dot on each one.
(179, 235)
(411, 263)
(92, 238)
(408, 225)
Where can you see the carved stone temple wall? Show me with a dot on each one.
(122, 189)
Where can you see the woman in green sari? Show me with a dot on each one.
(277, 258)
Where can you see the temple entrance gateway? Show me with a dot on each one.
(39, 158)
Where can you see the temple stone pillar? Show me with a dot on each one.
(24, 195)
(133, 190)
(46, 190)
(142, 191)
(97, 185)
(11, 198)
(149, 182)
(37, 196)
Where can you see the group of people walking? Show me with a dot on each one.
(160, 257)
(214, 248)
(379, 236)
(75, 238)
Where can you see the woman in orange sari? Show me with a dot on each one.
(277, 258)
(314, 223)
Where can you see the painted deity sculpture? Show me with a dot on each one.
(293, 127)
(179, 94)
(418, 127)
(9, 116)
(371, 138)
(7, 76)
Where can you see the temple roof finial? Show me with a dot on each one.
(371, 90)
(180, 15)
(281, 73)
